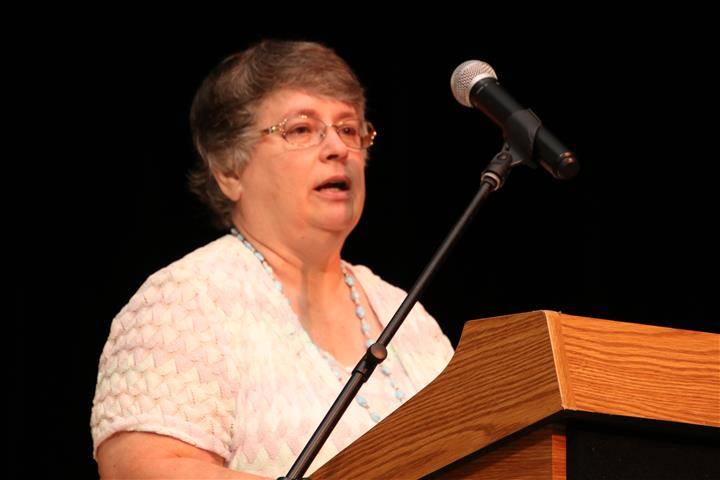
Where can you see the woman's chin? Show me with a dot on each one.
(336, 222)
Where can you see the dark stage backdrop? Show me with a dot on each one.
(628, 239)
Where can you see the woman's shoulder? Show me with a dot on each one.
(368, 274)
(203, 277)
(369, 279)
(215, 258)
(419, 324)
(215, 263)
(387, 294)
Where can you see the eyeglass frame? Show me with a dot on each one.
(280, 128)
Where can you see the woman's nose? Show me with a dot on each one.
(333, 148)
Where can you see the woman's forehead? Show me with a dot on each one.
(287, 103)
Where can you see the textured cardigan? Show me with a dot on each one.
(209, 352)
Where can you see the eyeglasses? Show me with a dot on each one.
(304, 131)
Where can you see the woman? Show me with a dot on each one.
(224, 362)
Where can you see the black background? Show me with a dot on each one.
(102, 193)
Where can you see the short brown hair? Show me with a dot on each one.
(223, 111)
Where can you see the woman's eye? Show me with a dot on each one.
(302, 129)
(348, 131)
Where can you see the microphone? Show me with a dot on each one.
(474, 84)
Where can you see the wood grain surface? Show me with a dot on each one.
(501, 379)
(538, 454)
(509, 373)
(637, 370)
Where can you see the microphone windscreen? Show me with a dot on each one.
(465, 76)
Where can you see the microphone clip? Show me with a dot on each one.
(521, 129)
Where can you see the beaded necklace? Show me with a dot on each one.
(359, 313)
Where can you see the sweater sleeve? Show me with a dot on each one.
(164, 368)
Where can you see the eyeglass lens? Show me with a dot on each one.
(306, 131)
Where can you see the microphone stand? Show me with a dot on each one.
(492, 179)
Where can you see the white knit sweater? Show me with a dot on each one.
(209, 352)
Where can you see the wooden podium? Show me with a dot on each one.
(502, 406)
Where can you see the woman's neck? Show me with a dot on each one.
(306, 263)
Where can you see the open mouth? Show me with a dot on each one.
(340, 185)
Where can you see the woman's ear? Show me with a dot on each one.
(229, 183)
